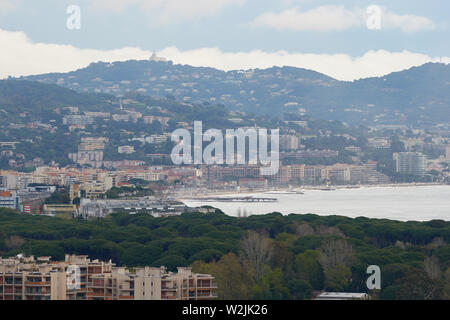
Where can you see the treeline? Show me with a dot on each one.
(259, 257)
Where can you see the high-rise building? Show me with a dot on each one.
(289, 142)
(411, 163)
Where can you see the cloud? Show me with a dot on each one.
(339, 66)
(25, 57)
(338, 18)
(406, 23)
(164, 12)
(322, 18)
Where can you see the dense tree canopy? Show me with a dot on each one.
(263, 257)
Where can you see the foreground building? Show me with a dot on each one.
(79, 278)
(342, 296)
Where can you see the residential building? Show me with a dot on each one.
(126, 150)
(79, 278)
(289, 142)
(411, 163)
(9, 199)
(77, 120)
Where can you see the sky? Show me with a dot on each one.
(345, 39)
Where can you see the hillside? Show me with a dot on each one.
(39, 101)
(418, 96)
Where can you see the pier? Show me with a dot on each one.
(236, 199)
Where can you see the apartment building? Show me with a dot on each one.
(77, 120)
(152, 284)
(9, 199)
(79, 278)
(412, 163)
(289, 142)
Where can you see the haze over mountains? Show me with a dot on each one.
(419, 96)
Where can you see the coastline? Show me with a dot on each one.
(207, 193)
(405, 202)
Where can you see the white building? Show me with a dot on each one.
(411, 163)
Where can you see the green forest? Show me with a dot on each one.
(258, 257)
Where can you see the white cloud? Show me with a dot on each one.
(163, 12)
(322, 18)
(337, 18)
(407, 22)
(21, 56)
(339, 66)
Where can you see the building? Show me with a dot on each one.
(9, 199)
(60, 210)
(309, 154)
(9, 181)
(447, 152)
(289, 142)
(411, 163)
(379, 143)
(342, 296)
(77, 120)
(94, 209)
(126, 150)
(79, 278)
(90, 152)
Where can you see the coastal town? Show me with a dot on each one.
(97, 182)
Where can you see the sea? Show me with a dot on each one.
(412, 203)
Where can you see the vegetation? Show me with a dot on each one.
(259, 257)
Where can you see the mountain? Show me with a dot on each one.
(39, 100)
(419, 96)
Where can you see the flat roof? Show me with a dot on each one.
(342, 295)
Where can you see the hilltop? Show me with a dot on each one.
(419, 96)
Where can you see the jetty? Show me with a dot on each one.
(236, 199)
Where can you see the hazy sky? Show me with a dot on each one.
(341, 39)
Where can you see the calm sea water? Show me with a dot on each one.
(422, 203)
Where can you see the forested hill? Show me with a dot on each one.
(418, 96)
(40, 100)
(296, 254)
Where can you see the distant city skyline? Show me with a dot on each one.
(330, 37)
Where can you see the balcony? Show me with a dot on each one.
(174, 288)
(37, 284)
(95, 294)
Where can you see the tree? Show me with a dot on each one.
(308, 268)
(336, 258)
(432, 268)
(446, 291)
(256, 251)
(14, 242)
(271, 287)
(417, 285)
(300, 289)
(336, 253)
(233, 280)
